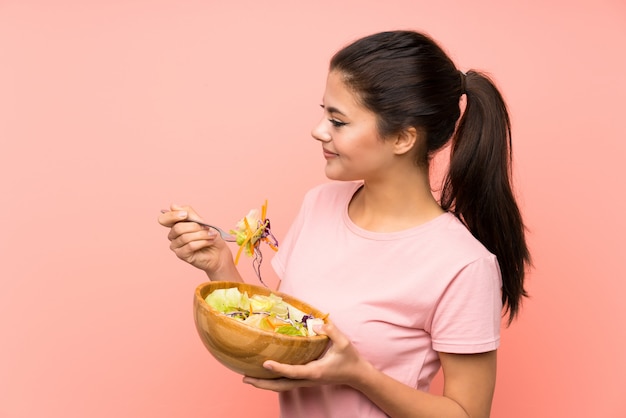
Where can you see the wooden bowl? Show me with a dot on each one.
(243, 348)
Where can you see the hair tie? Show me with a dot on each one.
(463, 75)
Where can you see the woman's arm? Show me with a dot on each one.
(469, 381)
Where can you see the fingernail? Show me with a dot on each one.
(182, 214)
(267, 366)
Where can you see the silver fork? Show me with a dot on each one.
(225, 235)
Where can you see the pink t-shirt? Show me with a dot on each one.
(400, 297)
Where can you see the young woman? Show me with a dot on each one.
(412, 283)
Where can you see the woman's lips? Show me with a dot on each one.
(328, 154)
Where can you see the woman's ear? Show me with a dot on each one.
(405, 141)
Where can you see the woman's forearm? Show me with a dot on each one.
(469, 384)
(400, 400)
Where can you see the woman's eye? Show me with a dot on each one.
(337, 123)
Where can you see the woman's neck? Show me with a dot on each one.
(394, 204)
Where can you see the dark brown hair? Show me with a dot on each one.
(407, 80)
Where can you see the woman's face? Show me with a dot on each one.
(351, 144)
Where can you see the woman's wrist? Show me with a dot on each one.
(364, 377)
(227, 272)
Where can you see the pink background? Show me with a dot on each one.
(110, 110)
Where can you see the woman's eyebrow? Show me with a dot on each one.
(331, 109)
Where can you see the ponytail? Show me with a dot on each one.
(478, 190)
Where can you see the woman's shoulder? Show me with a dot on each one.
(457, 239)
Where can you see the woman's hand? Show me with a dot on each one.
(199, 246)
(339, 365)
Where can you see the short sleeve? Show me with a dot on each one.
(468, 315)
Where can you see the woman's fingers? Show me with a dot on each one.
(187, 247)
(189, 242)
(309, 371)
(177, 213)
(185, 212)
(276, 385)
(191, 230)
(337, 337)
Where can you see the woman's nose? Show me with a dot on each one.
(320, 132)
